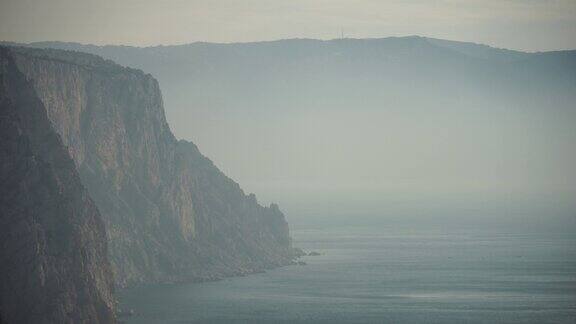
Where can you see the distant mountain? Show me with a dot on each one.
(97, 190)
(294, 74)
(301, 118)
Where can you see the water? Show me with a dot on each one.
(387, 275)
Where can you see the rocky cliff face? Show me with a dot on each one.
(170, 214)
(53, 250)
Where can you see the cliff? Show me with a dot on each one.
(53, 258)
(170, 214)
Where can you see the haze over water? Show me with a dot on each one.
(401, 273)
(434, 177)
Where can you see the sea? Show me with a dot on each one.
(380, 274)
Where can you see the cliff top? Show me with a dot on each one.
(81, 59)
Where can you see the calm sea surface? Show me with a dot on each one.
(386, 275)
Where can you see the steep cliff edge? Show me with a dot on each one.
(53, 250)
(170, 214)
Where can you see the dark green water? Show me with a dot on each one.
(385, 275)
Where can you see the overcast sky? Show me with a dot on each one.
(532, 25)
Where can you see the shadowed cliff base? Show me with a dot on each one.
(53, 249)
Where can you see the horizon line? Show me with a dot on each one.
(279, 40)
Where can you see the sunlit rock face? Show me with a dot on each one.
(54, 265)
(170, 214)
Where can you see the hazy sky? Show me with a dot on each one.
(531, 25)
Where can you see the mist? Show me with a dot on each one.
(384, 127)
(306, 161)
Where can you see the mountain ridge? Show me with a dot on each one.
(371, 39)
(286, 87)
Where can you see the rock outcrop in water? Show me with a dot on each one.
(54, 266)
(169, 213)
